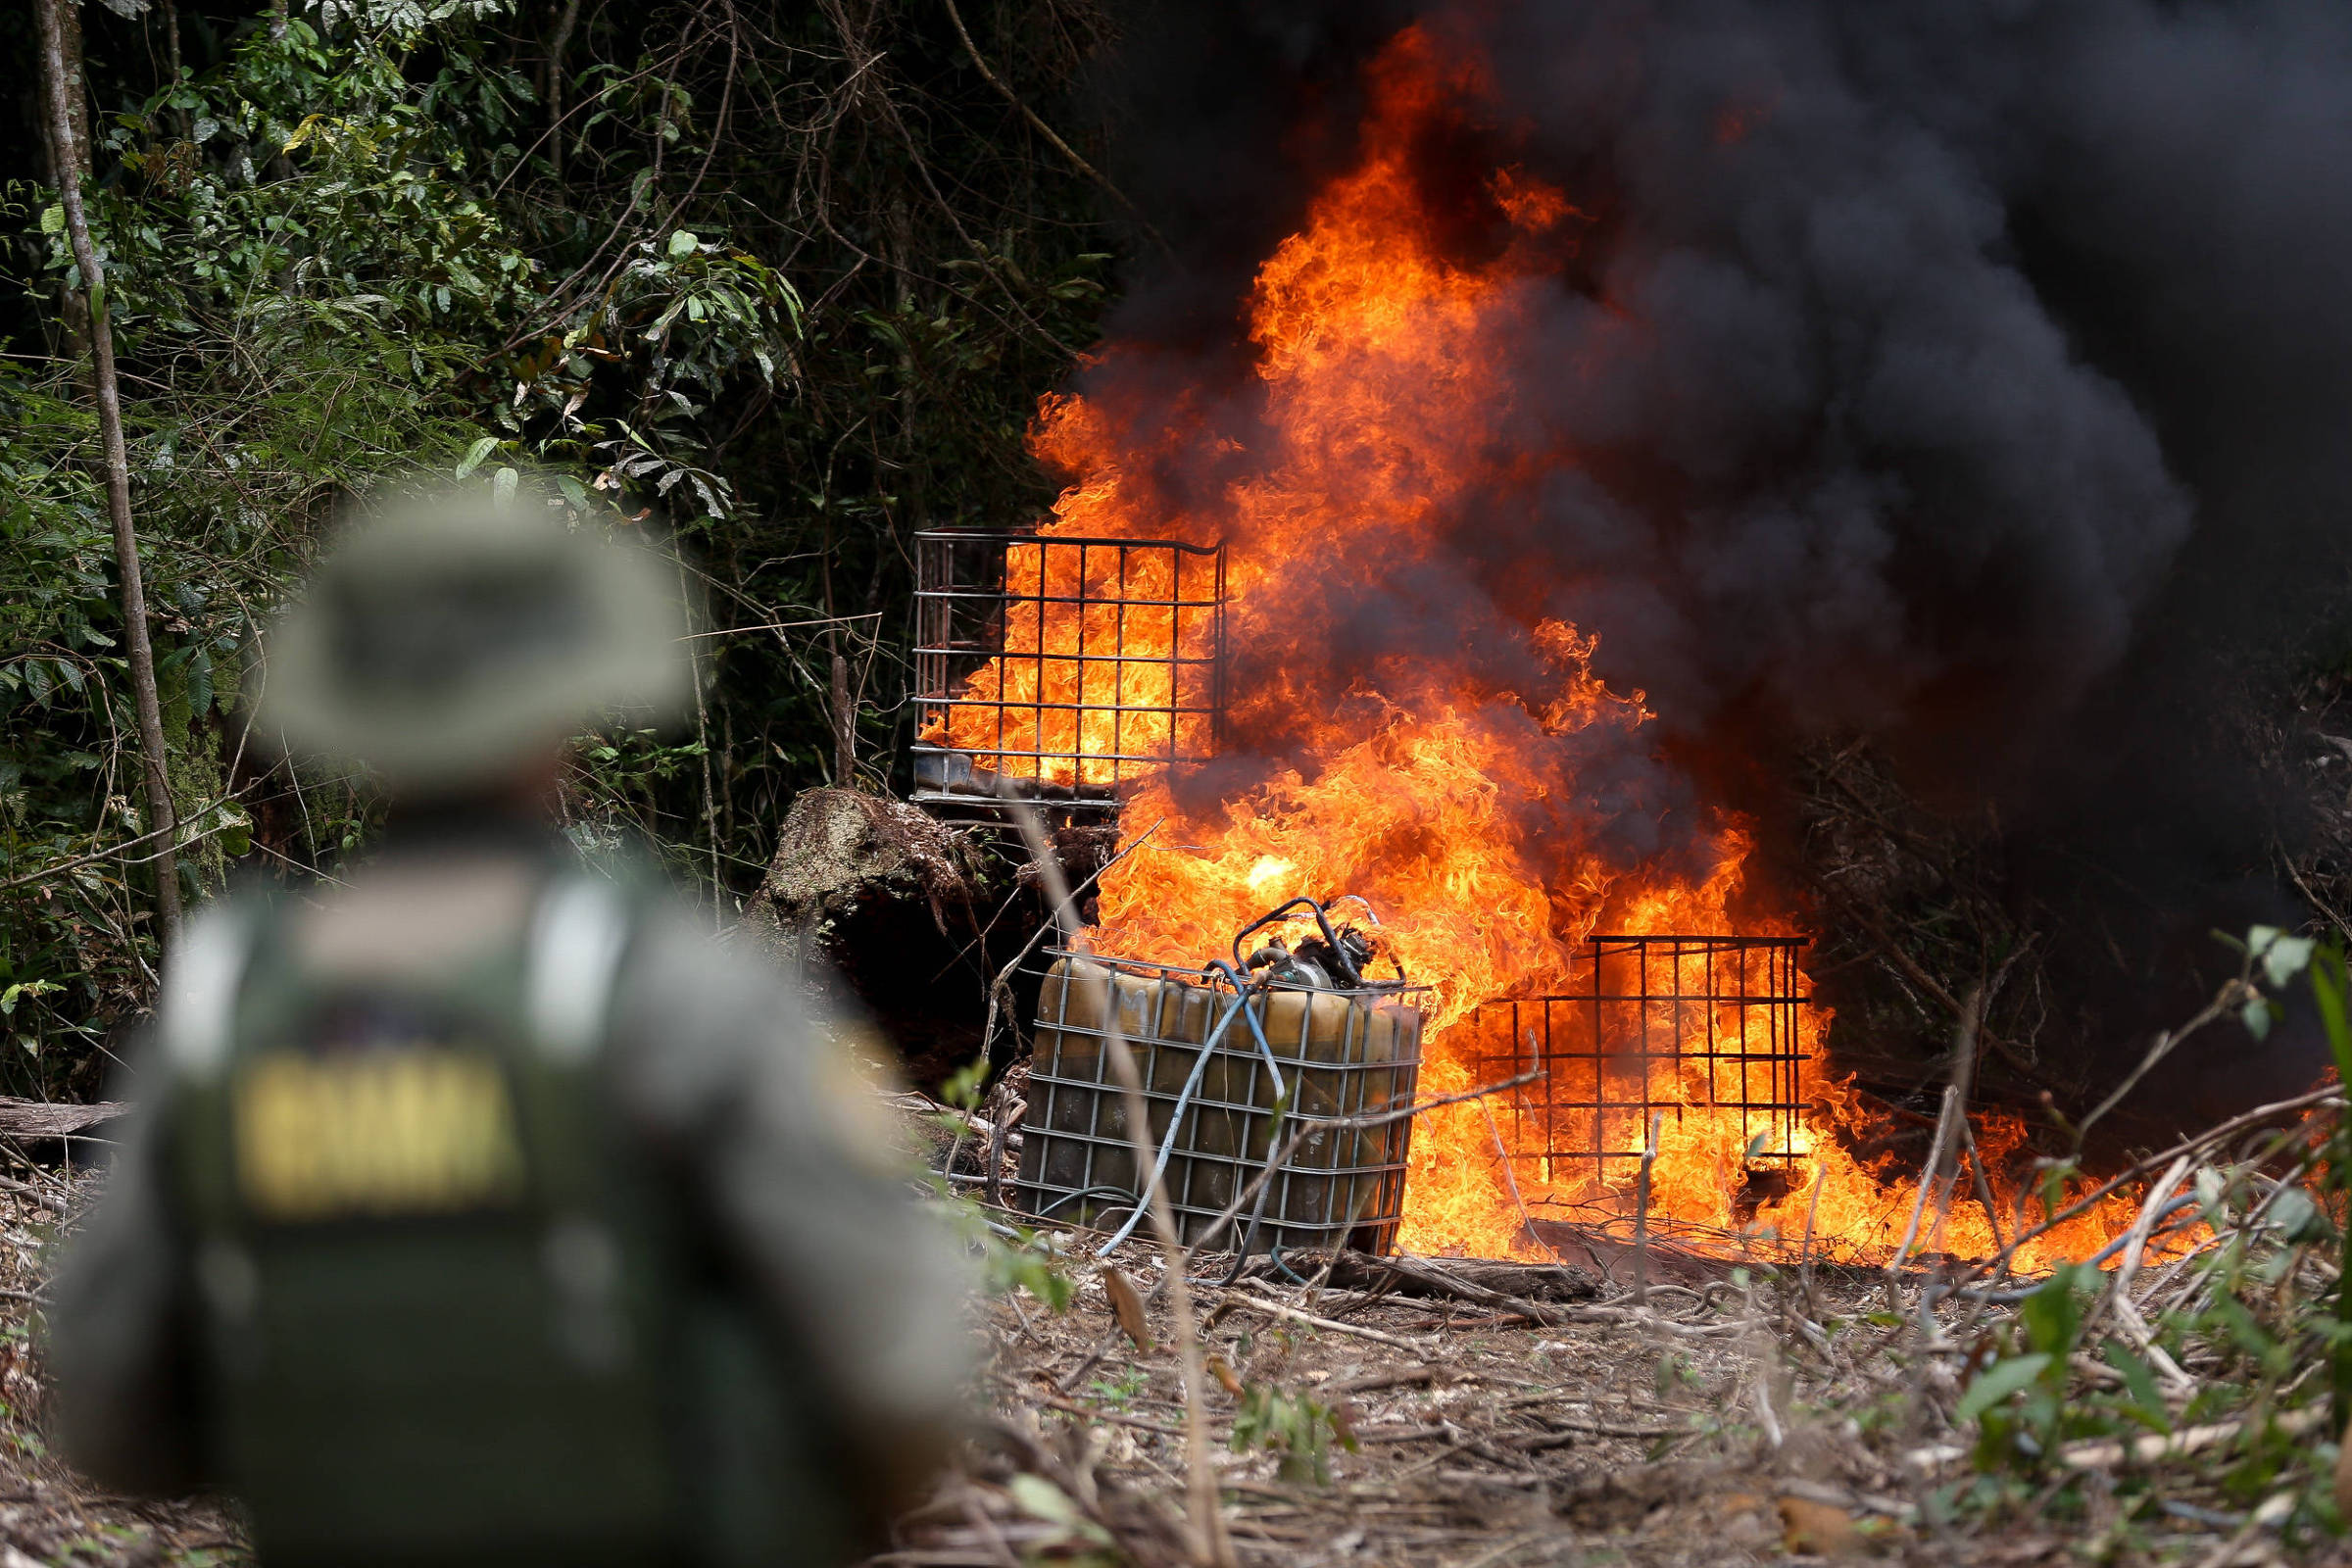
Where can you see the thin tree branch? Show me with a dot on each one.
(1043, 129)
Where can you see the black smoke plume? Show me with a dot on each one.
(1972, 379)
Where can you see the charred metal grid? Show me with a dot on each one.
(1663, 1023)
(1095, 639)
(1343, 1186)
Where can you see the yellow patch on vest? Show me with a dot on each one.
(379, 1131)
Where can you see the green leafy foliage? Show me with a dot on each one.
(2061, 1383)
(963, 1088)
(2020, 1401)
(2010, 1375)
(1120, 1390)
(1083, 1541)
(2330, 985)
(779, 295)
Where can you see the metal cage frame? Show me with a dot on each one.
(1344, 1185)
(1652, 1012)
(964, 606)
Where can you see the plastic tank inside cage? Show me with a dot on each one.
(1242, 1073)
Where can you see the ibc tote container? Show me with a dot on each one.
(1341, 1055)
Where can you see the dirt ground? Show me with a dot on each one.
(1743, 1415)
(1722, 1427)
(48, 1514)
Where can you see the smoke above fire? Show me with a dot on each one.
(1964, 376)
(1848, 451)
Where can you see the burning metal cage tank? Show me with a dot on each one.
(1233, 1075)
(1650, 1025)
(1058, 669)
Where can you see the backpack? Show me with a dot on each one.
(445, 1314)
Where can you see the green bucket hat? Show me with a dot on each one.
(448, 640)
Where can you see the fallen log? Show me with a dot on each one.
(1523, 1289)
(42, 1120)
(1581, 1247)
(1256, 1303)
(45, 1132)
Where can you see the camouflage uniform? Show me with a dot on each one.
(481, 1208)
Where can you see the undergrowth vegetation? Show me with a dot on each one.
(2190, 1380)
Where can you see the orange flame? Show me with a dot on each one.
(1443, 802)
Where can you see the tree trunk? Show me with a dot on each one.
(63, 73)
(180, 117)
(845, 727)
(702, 736)
(554, 92)
(69, 151)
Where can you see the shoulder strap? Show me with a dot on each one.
(573, 957)
(577, 936)
(198, 1015)
(196, 1035)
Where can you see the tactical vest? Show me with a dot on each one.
(447, 1315)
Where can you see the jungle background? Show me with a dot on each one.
(780, 283)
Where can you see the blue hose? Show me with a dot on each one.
(1167, 1144)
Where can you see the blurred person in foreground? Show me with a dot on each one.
(479, 1209)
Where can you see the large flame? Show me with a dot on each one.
(1485, 824)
